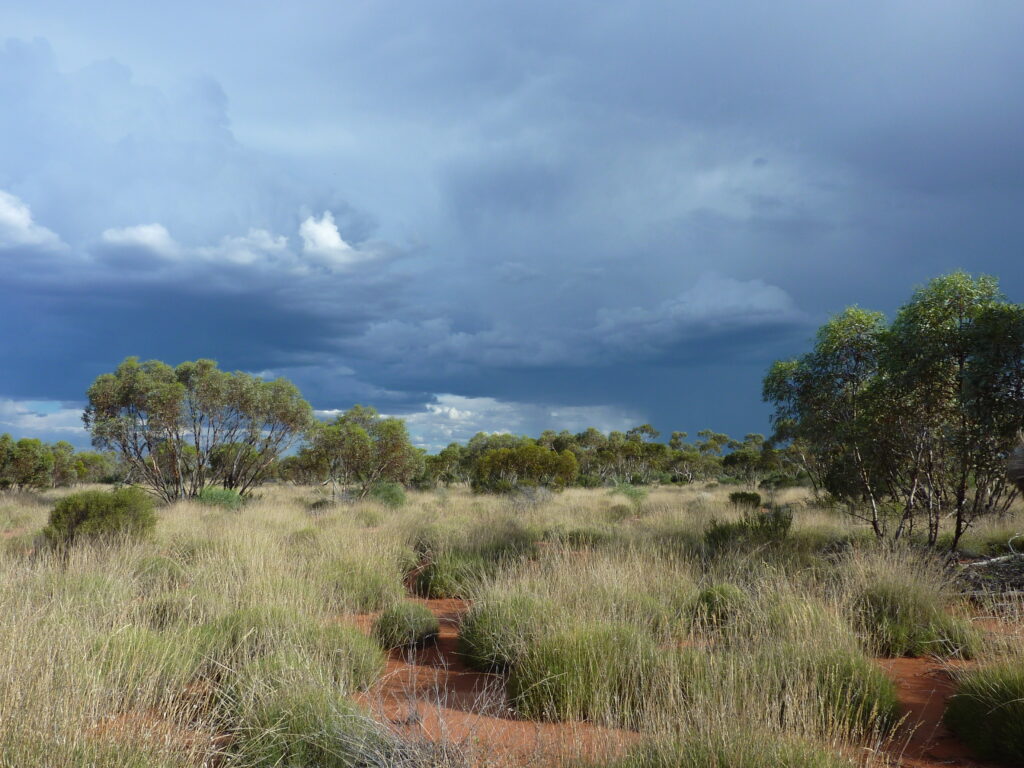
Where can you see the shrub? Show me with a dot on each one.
(745, 499)
(389, 494)
(406, 624)
(987, 711)
(101, 514)
(635, 494)
(899, 620)
(598, 672)
(212, 496)
(360, 587)
(496, 633)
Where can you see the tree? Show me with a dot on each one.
(914, 420)
(362, 448)
(30, 465)
(167, 424)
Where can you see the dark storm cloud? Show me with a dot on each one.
(473, 212)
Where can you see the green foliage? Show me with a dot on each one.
(745, 499)
(494, 634)
(26, 464)
(452, 574)
(900, 619)
(211, 496)
(853, 693)
(389, 494)
(635, 494)
(207, 425)
(101, 514)
(598, 672)
(405, 624)
(987, 711)
(505, 470)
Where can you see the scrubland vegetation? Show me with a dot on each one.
(257, 583)
(244, 635)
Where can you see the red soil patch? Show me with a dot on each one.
(924, 686)
(431, 693)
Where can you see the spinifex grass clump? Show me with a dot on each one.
(718, 605)
(495, 633)
(156, 573)
(359, 586)
(405, 625)
(389, 494)
(730, 749)
(899, 620)
(598, 672)
(754, 529)
(92, 515)
(745, 499)
(987, 711)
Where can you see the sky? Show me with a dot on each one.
(490, 216)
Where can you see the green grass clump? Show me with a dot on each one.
(405, 624)
(987, 711)
(155, 573)
(306, 726)
(360, 587)
(389, 494)
(212, 496)
(754, 529)
(729, 750)
(901, 620)
(745, 499)
(853, 694)
(495, 634)
(718, 605)
(453, 574)
(147, 666)
(123, 512)
(597, 672)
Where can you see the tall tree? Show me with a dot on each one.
(168, 424)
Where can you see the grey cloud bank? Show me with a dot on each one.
(493, 216)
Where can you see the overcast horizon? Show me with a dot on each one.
(490, 216)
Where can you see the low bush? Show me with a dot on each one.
(404, 625)
(899, 620)
(389, 494)
(597, 672)
(987, 711)
(495, 634)
(92, 515)
(212, 496)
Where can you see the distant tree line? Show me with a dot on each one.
(31, 464)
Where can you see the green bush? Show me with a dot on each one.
(745, 499)
(101, 514)
(635, 494)
(987, 711)
(406, 624)
(212, 496)
(389, 494)
(899, 620)
(360, 587)
(598, 672)
(496, 633)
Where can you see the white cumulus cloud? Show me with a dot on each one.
(153, 238)
(18, 229)
(323, 244)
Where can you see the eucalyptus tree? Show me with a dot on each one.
(361, 448)
(912, 420)
(179, 429)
